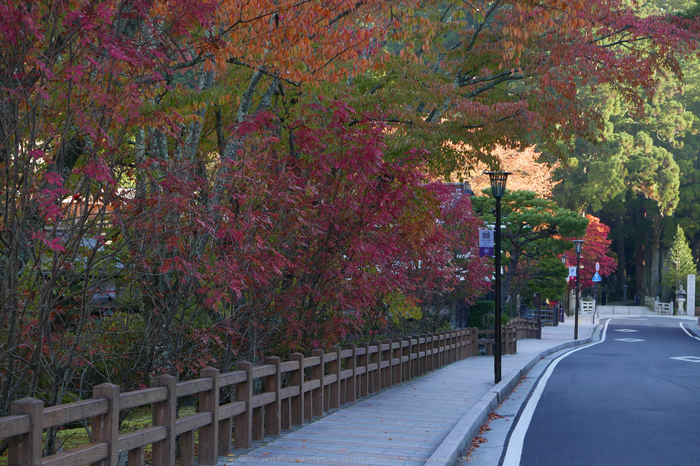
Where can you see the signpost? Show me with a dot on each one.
(596, 279)
(486, 246)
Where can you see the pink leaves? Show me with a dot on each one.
(55, 244)
(49, 198)
(53, 178)
(98, 170)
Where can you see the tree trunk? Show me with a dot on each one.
(508, 277)
(640, 260)
(654, 288)
(621, 259)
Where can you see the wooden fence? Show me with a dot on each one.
(509, 340)
(525, 328)
(286, 394)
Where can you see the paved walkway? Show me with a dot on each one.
(431, 419)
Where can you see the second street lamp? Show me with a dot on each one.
(498, 189)
(578, 245)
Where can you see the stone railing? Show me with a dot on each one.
(265, 400)
(658, 307)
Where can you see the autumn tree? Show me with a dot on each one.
(108, 111)
(442, 286)
(595, 250)
(462, 80)
(533, 228)
(73, 83)
(184, 151)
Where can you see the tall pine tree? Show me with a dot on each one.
(679, 263)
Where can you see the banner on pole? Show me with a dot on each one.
(486, 242)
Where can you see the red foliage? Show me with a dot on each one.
(596, 249)
(297, 248)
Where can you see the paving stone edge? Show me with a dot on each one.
(460, 438)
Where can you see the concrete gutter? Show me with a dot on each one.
(458, 441)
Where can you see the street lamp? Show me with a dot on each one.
(498, 189)
(578, 245)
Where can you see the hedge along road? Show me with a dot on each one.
(632, 398)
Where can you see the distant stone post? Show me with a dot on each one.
(690, 303)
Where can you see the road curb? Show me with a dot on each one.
(457, 442)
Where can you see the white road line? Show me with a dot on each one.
(687, 358)
(517, 438)
(687, 331)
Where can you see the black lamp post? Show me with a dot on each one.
(498, 188)
(578, 245)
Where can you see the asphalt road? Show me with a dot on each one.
(628, 400)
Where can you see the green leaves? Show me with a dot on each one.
(679, 262)
(534, 229)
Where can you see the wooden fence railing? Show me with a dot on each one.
(287, 393)
(509, 340)
(525, 328)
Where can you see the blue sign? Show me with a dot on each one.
(596, 277)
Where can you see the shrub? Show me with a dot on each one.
(477, 311)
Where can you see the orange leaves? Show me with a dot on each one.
(279, 36)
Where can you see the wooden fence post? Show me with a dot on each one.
(475, 341)
(212, 442)
(26, 449)
(164, 414)
(442, 354)
(296, 378)
(334, 368)
(465, 343)
(352, 382)
(423, 348)
(317, 394)
(105, 428)
(387, 373)
(363, 361)
(243, 423)
(376, 359)
(448, 348)
(429, 352)
(396, 360)
(407, 351)
(273, 411)
(415, 364)
(436, 351)
(459, 344)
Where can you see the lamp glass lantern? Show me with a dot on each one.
(498, 181)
